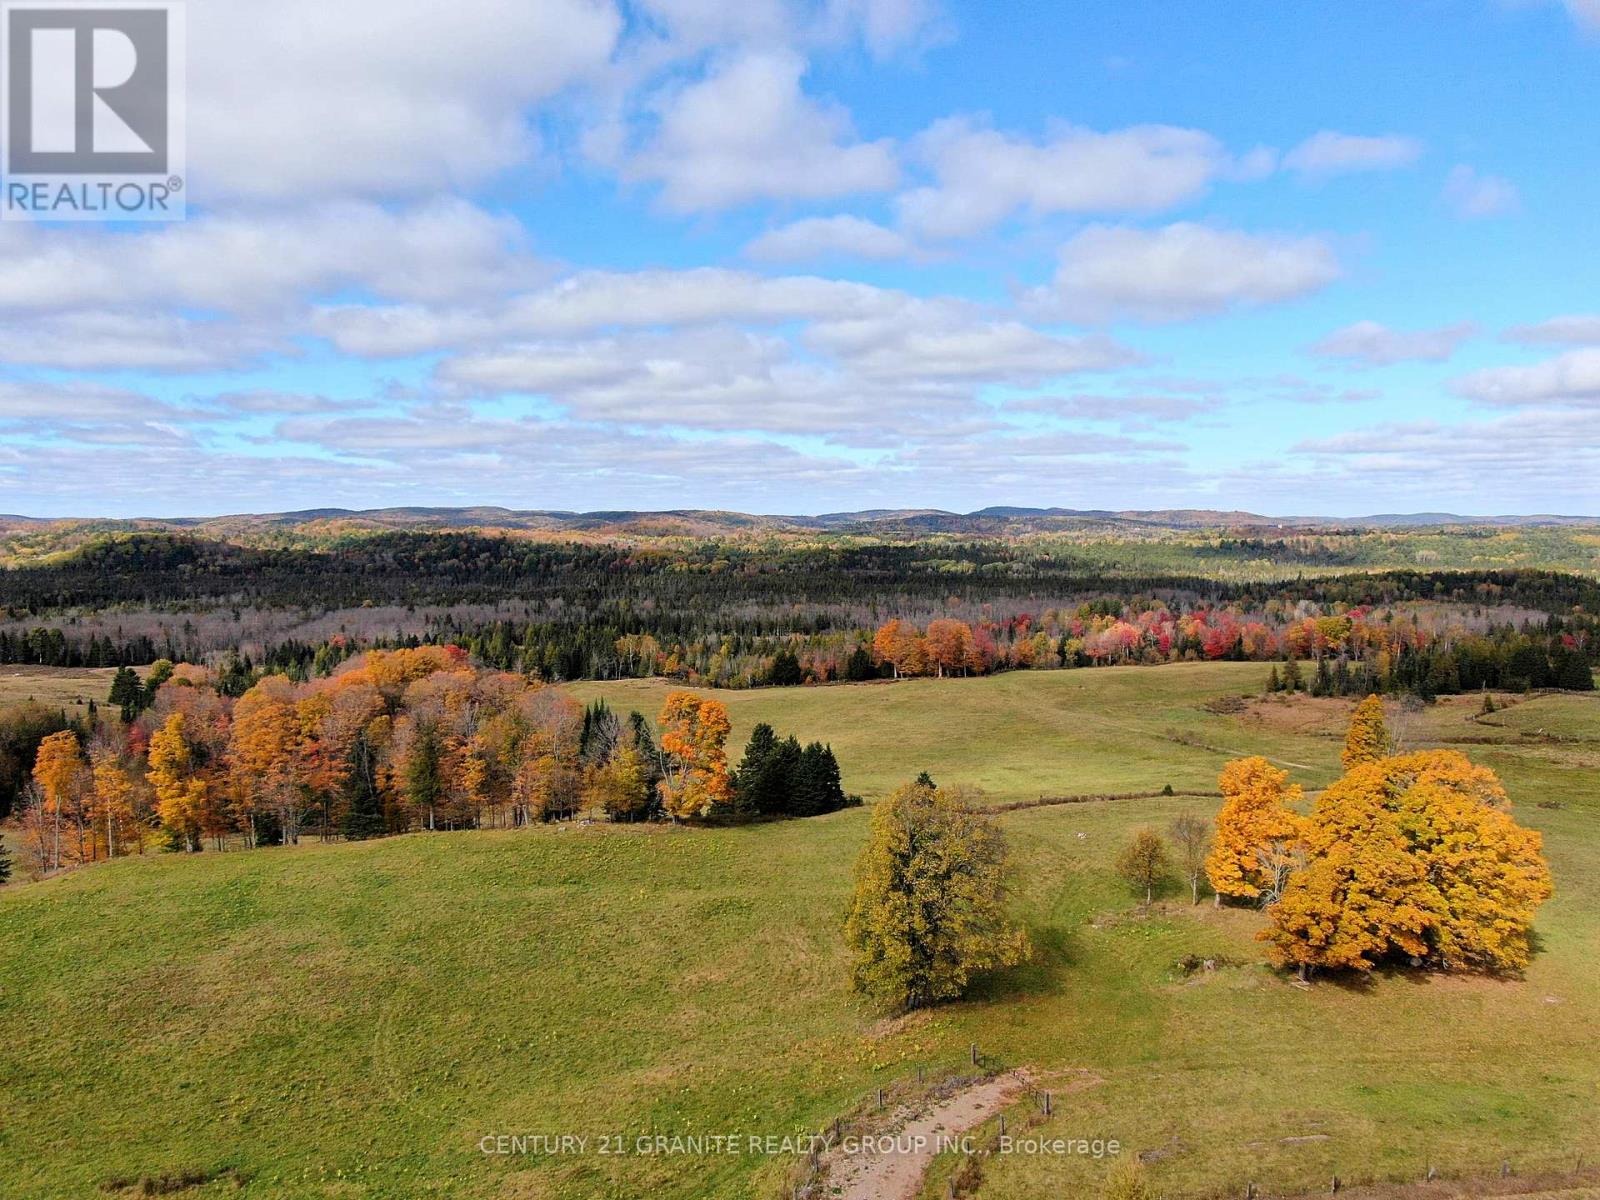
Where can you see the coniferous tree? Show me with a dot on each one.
(5, 860)
(363, 816)
(859, 667)
(1575, 674)
(749, 778)
(785, 670)
(816, 788)
(126, 693)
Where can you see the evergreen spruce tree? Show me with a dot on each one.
(1293, 681)
(1575, 674)
(816, 788)
(363, 811)
(859, 667)
(1274, 684)
(126, 693)
(749, 777)
(1322, 685)
(785, 671)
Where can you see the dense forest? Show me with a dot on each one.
(764, 611)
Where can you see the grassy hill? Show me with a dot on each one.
(350, 1021)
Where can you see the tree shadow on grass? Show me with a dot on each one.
(1044, 973)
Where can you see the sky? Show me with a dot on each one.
(800, 256)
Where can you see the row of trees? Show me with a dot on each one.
(396, 741)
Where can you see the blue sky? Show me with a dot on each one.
(813, 255)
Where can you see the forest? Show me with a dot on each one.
(771, 611)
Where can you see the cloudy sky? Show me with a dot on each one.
(812, 255)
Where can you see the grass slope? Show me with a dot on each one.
(349, 1021)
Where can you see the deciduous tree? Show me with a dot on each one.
(1144, 862)
(1255, 816)
(694, 736)
(928, 910)
(1191, 837)
(1367, 739)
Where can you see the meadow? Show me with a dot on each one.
(54, 686)
(352, 1020)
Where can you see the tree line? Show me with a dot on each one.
(394, 741)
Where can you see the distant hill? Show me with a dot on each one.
(994, 521)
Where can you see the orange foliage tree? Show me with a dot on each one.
(1257, 834)
(694, 736)
(1417, 855)
(58, 771)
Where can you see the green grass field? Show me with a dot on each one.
(350, 1021)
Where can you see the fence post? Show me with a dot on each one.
(1337, 1184)
(1047, 1104)
(974, 1053)
(1505, 1168)
(1002, 1124)
(880, 1097)
(919, 1076)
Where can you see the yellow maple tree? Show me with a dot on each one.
(1256, 828)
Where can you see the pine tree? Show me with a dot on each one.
(126, 693)
(1293, 681)
(363, 815)
(5, 860)
(750, 779)
(785, 670)
(1274, 684)
(1575, 674)
(1368, 737)
(860, 667)
(816, 788)
(423, 774)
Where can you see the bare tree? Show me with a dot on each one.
(1278, 861)
(1191, 836)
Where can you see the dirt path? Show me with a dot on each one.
(889, 1165)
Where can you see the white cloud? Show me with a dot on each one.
(301, 99)
(824, 237)
(1377, 345)
(79, 402)
(1570, 378)
(597, 300)
(1472, 195)
(983, 175)
(1578, 329)
(1184, 270)
(1530, 460)
(944, 341)
(1586, 13)
(748, 132)
(1332, 153)
(435, 251)
(92, 340)
(855, 380)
